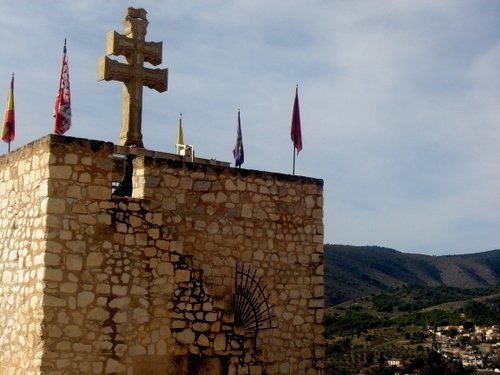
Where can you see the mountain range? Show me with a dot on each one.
(356, 271)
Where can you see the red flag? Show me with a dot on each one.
(9, 128)
(62, 106)
(295, 133)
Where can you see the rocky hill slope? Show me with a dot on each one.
(353, 272)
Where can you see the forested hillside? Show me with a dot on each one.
(353, 272)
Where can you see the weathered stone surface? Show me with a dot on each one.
(68, 287)
(74, 262)
(201, 327)
(182, 276)
(186, 336)
(72, 331)
(220, 342)
(203, 341)
(114, 367)
(178, 324)
(85, 298)
(98, 313)
(119, 303)
(53, 301)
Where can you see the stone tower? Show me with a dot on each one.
(203, 269)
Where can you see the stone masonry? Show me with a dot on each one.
(91, 283)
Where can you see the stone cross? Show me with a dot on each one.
(132, 73)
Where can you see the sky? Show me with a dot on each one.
(399, 100)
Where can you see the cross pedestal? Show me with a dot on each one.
(132, 73)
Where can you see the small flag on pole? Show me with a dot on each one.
(295, 132)
(180, 135)
(9, 128)
(62, 106)
(238, 153)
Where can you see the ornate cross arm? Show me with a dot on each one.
(121, 45)
(156, 79)
(112, 70)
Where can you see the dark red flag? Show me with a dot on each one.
(295, 133)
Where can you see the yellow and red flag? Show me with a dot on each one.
(9, 128)
(62, 106)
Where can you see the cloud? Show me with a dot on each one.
(399, 100)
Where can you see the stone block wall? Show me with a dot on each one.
(23, 215)
(272, 221)
(97, 284)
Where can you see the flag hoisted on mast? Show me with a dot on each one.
(9, 125)
(238, 153)
(180, 135)
(62, 106)
(296, 133)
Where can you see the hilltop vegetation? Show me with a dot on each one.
(418, 297)
(429, 306)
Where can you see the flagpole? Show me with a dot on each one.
(239, 124)
(293, 147)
